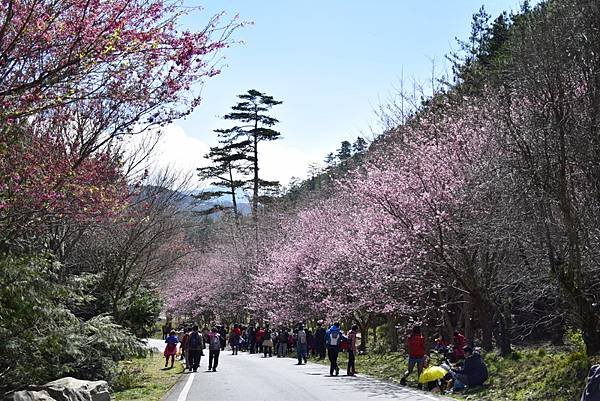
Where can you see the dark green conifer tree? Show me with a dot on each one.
(359, 146)
(330, 159)
(228, 170)
(252, 113)
(345, 151)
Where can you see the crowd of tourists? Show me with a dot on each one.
(459, 364)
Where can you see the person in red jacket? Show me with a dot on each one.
(234, 339)
(458, 342)
(416, 353)
(260, 335)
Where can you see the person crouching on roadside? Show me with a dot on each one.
(474, 371)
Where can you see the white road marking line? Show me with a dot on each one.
(186, 388)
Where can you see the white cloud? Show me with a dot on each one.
(179, 151)
(281, 162)
(182, 153)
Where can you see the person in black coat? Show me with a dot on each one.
(474, 371)
(251, 339)
(223, 336)
(320, 339)
(592, 389)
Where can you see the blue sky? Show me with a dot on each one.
(330, 62)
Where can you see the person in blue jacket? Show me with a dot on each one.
(333, 339)
(171, 348)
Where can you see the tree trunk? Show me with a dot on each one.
(392, 332)
(447, 328)
(374, 333)
(364, 337)
(468, 317)
(233, 198)
(589, 327)
(571, 275)
(363, 326)
(504, 331)
(486, 320)
(255, 189)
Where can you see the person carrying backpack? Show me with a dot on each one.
(333, 338)
(301, 345)
(214, 349)
(282, 342)
(195, 345)
(185, 350)
(267, 343)
(223, 336)
(234, 339)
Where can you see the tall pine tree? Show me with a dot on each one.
(228, 169)
(252, 112)
(345, 151)
(359, 146)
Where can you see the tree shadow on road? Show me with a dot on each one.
(380, 388)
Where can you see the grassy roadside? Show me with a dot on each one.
(145, 379)
(529, 374)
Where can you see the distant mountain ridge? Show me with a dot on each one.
(240, 196)
(187, 201)
(194, 204)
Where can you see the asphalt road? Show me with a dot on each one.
(252, 378)
(159, 345)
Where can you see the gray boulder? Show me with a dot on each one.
(27, 395)
(65, 389)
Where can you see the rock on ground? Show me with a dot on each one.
(65, 389)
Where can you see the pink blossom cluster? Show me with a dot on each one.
(370, 246)
(40, 184)
(106, 52)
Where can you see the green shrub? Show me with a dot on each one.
(128, 376)
(575, 338)
(141, 312)
(381, 347)
(41, 340)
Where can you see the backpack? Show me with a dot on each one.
(344, 343)
(334, 338)
(215, 342)
(194, 341)
(302, 337)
